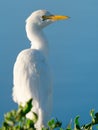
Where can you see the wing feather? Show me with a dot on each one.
(32, 78)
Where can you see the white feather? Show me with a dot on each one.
(32, 79)
(32, 76)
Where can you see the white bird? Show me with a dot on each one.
(31, 74)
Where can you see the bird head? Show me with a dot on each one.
(42, 18)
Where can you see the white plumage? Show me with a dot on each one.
(32, 76)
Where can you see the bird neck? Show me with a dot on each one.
(37, 38)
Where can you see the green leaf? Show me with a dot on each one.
(27, 107)
(96, 118)
(76, 120)
(35, 117)
(77, 125)
(58, 123)
(61, 128)
(9, 122)
(29, 124)
(92, 114)
(44, 128)
(69, 126)
(51, 123)
(5, 124)
(54, 124)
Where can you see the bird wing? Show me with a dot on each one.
(32, 78)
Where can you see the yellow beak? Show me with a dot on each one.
(55, 17)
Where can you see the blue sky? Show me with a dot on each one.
(73, 52)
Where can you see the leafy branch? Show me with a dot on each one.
(16, 120)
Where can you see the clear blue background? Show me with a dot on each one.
(73, 53)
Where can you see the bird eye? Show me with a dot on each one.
(44, 18)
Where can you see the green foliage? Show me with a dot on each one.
(16, 120)
(76, 123)
(54, 124)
